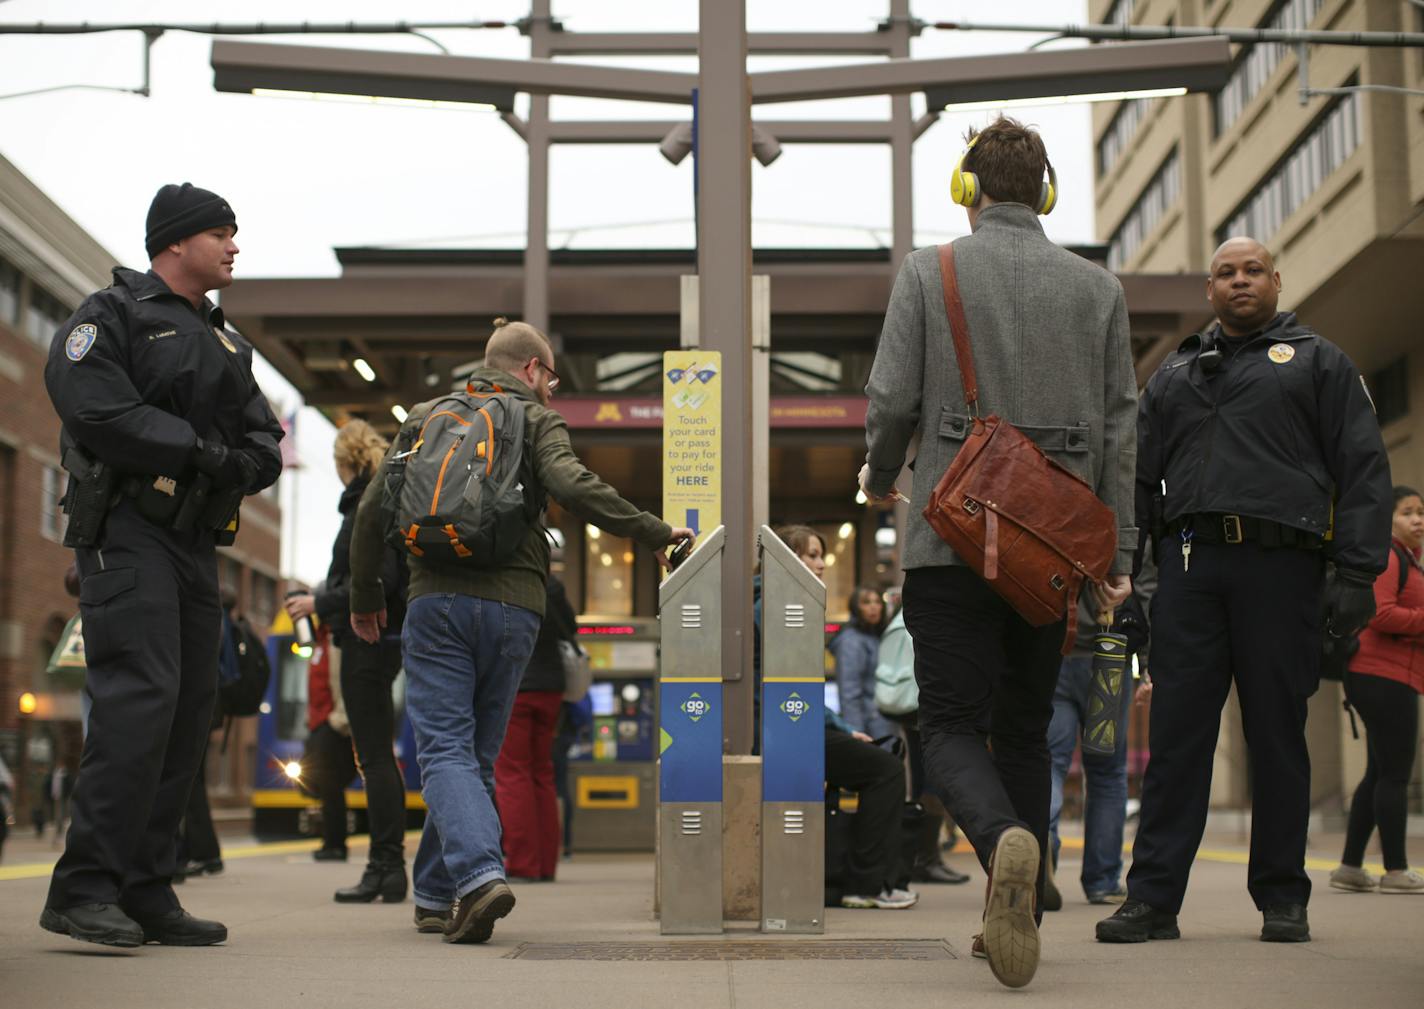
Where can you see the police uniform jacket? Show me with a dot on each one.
(137, 375)
(1284, 427)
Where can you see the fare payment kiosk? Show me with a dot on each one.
(690, 743)
(793, 741)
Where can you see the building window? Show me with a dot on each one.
(9, 293)
(1389, 387)
(263, 606)
(1120, 131)
(44, 315)
(1303, 171)
(1255, 64)
(1157, 198)
(608, 574)
(1120, 13)
(52, 520)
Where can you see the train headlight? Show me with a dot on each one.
(293, 769)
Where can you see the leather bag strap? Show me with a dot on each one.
(958, 327)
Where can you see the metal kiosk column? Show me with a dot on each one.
(793, 741)
(690, 761)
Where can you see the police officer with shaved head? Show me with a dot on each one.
(164, 432)
(1259, 459)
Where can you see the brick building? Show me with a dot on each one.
(48, 265)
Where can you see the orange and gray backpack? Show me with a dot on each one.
(460, 486)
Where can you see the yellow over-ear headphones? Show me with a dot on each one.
(964, 186)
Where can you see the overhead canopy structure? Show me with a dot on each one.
(416, 315)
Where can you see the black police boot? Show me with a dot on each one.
(332, 854)
(1285, 923)
(179, 928)
(102, 923)
(1138, 922)
(386, 880)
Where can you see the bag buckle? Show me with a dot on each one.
(1058, 583)
(1231, 528)
(971, 506)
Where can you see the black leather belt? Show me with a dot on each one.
(1214, 527)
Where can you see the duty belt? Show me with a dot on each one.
(182, 504)
(1215, 527)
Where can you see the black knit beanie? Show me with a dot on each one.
(180, 211)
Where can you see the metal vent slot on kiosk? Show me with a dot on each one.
(690, 743)
(793, 741)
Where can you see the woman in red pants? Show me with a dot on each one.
(524, 772)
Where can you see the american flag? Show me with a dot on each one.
(289, 442)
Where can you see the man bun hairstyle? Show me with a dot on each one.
(1010, 161)
(359, 447)
(512, 344)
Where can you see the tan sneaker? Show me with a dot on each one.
(1401, 881)
(1352, 879)
(1010, 933)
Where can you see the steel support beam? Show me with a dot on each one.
(685, 43)
(536, 239)
(652, 131)
(724, 245)
(243, 66)
(1196, 64)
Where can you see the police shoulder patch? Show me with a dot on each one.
(80, 339)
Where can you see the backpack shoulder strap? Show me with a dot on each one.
(1405, 563)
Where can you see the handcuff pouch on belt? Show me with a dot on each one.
(190, 504)
(87, 498)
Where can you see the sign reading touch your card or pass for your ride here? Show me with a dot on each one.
(692, 438)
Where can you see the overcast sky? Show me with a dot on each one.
(306, 176)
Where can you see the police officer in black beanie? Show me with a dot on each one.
(164, 432)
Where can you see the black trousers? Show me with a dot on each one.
(149, 600)
(986, 681)
(1252, 616)
(1390, 711)
(367, 672)
(332, 762)
(878, 777)
(199, 840)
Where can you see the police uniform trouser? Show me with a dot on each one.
(1251, 615)
(149, 601)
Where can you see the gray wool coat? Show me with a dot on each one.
(1051, 348)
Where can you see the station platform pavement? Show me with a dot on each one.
(589, 939)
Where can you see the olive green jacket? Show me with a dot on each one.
(519, 582)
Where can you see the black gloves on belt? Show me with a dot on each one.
(1349, 602)
(229, 468)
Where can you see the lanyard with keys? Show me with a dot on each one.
(1187, 535)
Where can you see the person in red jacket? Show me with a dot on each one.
(1384, 676)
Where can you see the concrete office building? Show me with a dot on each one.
(1333, 186)
(48, 265)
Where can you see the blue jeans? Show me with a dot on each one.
(1104, 778)
(464, 657)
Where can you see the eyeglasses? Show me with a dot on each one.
(553, 375)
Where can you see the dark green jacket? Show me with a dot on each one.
(520, 582)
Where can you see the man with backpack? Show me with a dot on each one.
(462, 488)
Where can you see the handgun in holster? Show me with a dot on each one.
(88, 497)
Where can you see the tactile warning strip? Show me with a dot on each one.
(737, 949)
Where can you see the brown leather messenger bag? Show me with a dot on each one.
(1031, 528)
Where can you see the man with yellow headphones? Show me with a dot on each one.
(1049, 338)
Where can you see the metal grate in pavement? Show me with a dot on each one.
(737, 949)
